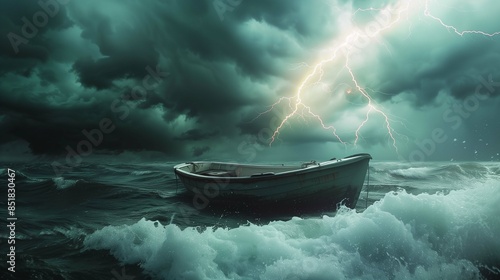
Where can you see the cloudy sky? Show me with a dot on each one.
(196, 79)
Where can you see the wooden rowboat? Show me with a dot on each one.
(327, 184)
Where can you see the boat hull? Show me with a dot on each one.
(324, 186)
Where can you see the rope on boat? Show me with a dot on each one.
(176, 183)
(367, 187)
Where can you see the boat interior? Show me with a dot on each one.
(216, 169)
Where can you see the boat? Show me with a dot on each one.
(319, 185)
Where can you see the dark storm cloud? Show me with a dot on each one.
(23, 25)
(126, 50)
(196, 135)
(55, 129)
(210, 57)
(210, 74)
(456, 69)
(199, 151)
(125, 47)
(307, 22)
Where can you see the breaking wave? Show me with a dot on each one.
(413, 172)
(440, 171)
(63, 183)
(402, 236)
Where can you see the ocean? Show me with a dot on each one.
(428, 220)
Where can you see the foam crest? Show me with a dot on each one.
(63, 183)
(403, 236)
(413, 172)
(143, 172)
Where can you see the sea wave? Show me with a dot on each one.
(63, 183)
(141, 172)
(413, 173)
(448, 172)
(70, 232)
(402, 236)
(19, 175)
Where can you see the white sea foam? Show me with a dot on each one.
(403, 236)
(413, 172)
(70, 232)
(141, 172)
(63, 183)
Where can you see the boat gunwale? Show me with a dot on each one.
(279, 175)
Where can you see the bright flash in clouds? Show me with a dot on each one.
(338, 57)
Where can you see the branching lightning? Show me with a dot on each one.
(342, 50)
(451, 27)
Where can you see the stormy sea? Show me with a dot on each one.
(428, 220)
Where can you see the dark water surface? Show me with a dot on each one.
(133, 221)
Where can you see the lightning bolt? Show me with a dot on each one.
(343, 49)
(451, 27)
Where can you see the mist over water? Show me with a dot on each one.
(423, 221)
